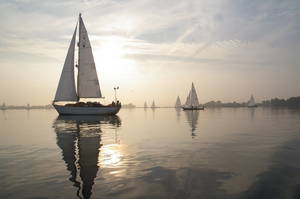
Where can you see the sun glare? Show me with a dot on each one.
(110, 58)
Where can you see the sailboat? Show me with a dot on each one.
(87, 81)
(153, 104)
(251, 102)
(145, 105)
(3, 107)
(178, 102)
(192, 102)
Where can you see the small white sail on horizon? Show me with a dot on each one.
(153, 104)
(251, 102)
(178, 102)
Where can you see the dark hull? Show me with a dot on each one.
(192, 108)
(254, 106)
(83, 110)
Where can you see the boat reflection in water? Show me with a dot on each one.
(79, 138)
(252, 114)
(192, 119)
(178, 113)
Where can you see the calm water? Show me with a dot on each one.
(216, 153)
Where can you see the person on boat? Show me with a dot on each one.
(118, 103)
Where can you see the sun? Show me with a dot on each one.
(110, 58)
(116, 68)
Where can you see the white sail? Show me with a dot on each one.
(153, 105)
(66, 90)
(145, 105)
(178, 102)
(88, 84)
(192, 98)
(188, 100)
(251, 101)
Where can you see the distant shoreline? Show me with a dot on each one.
(162, 107)
(291, 103)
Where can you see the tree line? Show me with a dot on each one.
(292, 102)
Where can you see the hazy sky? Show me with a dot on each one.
(154, 49)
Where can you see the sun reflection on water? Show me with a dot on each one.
(110, 156)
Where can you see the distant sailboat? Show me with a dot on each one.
(192, 102)
(87, 81)
(251, 102)
(153, 104)
(145, 105)
(178, 102)
(3, 106)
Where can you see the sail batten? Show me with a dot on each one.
(66, 90)
(87, 82)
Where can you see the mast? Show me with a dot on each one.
(78, 58)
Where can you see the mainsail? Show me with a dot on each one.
(178, 102)
(87, 84)
(66, 90)
(145, 105)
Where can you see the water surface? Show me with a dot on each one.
(160, 153)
